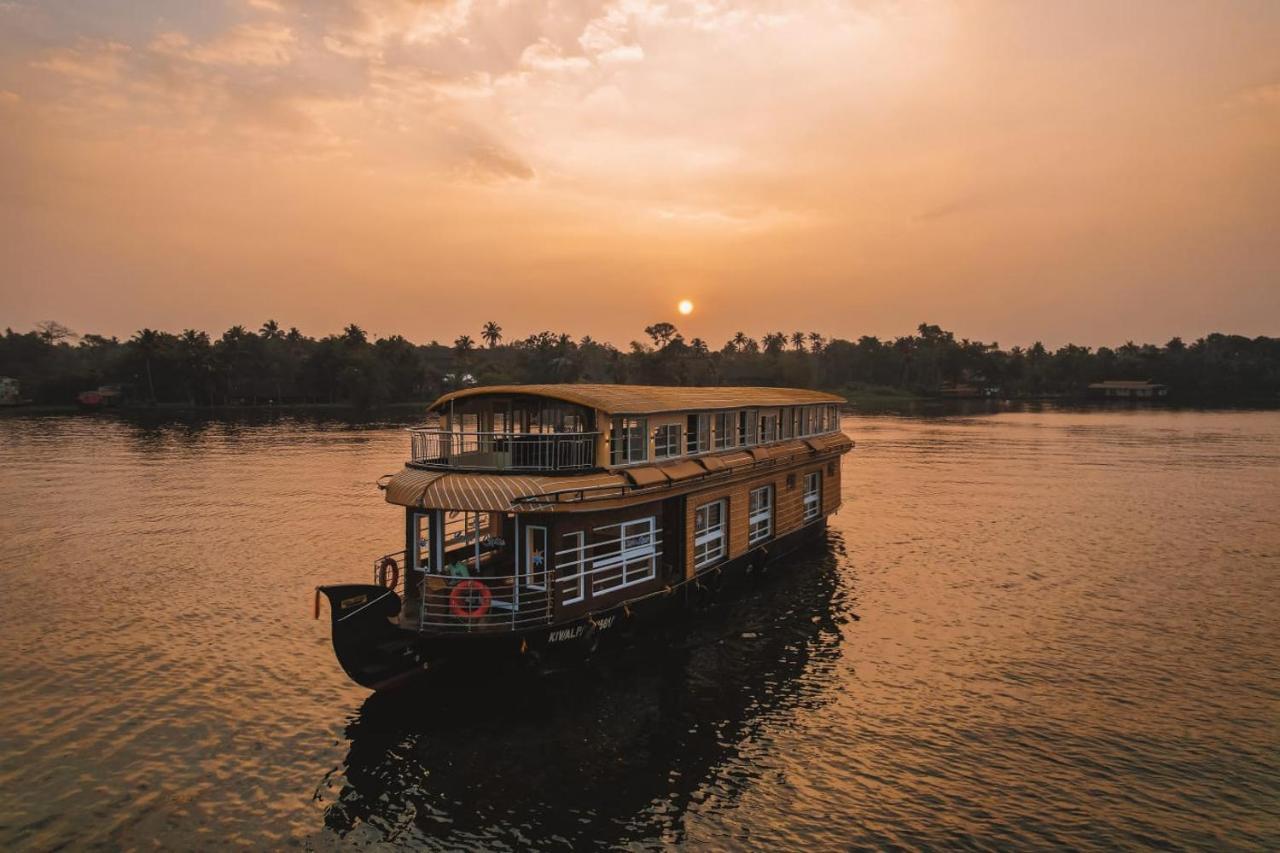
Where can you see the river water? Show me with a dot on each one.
(1024, 628)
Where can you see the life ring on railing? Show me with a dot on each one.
(389, 569)
(470, 599)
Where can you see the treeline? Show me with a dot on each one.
(284, 366)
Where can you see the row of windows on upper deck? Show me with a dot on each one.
(631, 441)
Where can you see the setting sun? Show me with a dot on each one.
(685, 306)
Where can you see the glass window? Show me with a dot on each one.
(699, 433)
(708, 534)
(626, 555)
(628, 441)
(724, 426)
(666, 441)
(760, 515)
(748, 423)
(812, 495)
(768, 428)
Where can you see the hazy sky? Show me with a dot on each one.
(1059, 170)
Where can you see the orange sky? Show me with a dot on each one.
(1076, 171)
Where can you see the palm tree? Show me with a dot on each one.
(492, 334)
(353, 334)
(797, 341)
(739, 342)
(816, 342)
(271, 331)
(148, 341)
(463, 344)
(774, 341)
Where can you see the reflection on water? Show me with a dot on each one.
(610, 753)
(1067, 637)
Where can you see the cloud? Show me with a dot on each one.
(248, 44)
(89, 60)
(1266, 96)
(543, 55)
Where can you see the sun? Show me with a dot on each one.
(685, 307)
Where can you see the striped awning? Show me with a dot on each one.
(408, 486)
(414, 487)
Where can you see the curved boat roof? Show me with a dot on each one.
(652, 399)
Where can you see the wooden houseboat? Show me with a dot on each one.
(541, 520)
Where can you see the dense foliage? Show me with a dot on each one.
(284, 366)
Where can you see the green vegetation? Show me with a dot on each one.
(278, 366)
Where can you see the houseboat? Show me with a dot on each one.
(543, 520)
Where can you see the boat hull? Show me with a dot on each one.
(375, 652)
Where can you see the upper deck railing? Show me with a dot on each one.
(503, 451)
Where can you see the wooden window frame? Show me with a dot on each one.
(760, 515)
(718, 534)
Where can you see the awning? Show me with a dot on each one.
(407, 487)
(685, 470)
(823, 443)
(475, 492)
(645, 475)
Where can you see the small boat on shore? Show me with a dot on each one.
(543, 520)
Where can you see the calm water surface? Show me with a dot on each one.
(1024, 629)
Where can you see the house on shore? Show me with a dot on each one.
(1125, 389)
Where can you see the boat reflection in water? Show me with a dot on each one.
(594, 754)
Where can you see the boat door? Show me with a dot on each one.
(535, 563)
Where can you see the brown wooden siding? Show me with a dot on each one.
(788, 503)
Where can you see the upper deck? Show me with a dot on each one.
(579, 428)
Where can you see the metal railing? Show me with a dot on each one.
(444, 604)
(503, 451)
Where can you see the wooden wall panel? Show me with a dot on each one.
(788, 511)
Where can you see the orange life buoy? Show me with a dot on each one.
(470, 599)
(389, 569)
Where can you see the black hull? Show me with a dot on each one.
(376, 653)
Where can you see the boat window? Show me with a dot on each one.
(699, 432)
(747, 426)
(812, 495)
(624, 554)
(628, 441)
(760, 515)
(571, 567)
(708, 534)
(723, 425)
(666, 441)
(768, 428)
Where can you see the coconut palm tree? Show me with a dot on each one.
(492, 334)
(463, 344)
(739, 342)
(797, 341)
(148, 342)
(774, 342)
(271, 331)
(816, 342)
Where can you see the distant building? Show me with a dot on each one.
(1124, 389)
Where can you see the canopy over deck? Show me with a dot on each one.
(651, 399)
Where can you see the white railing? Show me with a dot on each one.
(503, 451)
(630, 557)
